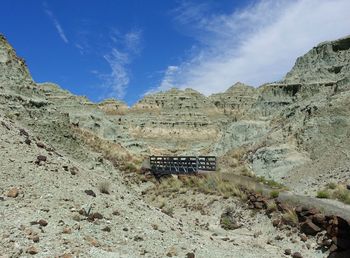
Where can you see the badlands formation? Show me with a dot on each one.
(71, 183)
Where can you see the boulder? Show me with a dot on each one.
(309, 228)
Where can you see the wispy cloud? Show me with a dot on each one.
(55, 22)
(256, 44)
(167, 81)
(118, 79)
(124, 48)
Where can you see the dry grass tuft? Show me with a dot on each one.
(290, 217)
(114, 152)
(334, 191)
(211, 184)
(271, 206)
(104, 187)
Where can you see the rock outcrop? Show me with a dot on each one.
(327, 62)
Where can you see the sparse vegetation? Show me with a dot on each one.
(271, 206)
(274, 194)
(211, 184)
(168, 211)
(129, 167)
(331, 185)
(104, 187)
(113, 152)
(342, 194)
(290, 217)
(323, 194)
(271, 183)
(110, 151)
(228, 219)
(334, 191)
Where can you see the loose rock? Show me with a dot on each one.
(13, 192)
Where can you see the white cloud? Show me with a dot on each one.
(118, 79)
(168, 80)
(118, 59)
(55, 23)
(254, 45)
(133, 40)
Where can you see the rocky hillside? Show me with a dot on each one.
(63, 194)
(280, 129)
(64, 188)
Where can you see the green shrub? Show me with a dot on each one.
(342, 194)
(323, 194)
(274, 194)
(271, 183)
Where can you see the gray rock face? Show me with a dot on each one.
(236, 101)
(13, 69)
(329, 61)
(241, 133)
(175, 120)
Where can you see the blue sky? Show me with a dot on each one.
(125, 49)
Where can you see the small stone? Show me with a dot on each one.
(27, 141)
(97, 215)
(90, 192)
(287, 252)
(106, 229)
(138, 238)
(40, 158)
(13, 192)
(303, 237)
(258, 205)
(94, 243)
(276, 222)
(32, 250)
(73, 171)
(67, 230)
(125, 229)
(42, 223)
(278, 238)
(23, 132)
(319, 219)
(36, 239)
(190, 255)
(76, 217)
(327, 242)
(297, 255)
(172, 252)
(40, 145)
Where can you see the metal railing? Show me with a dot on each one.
(163, 165)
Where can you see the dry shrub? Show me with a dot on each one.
(342, 194)
(334, 191)
(290, 217)
(271, 206)
(104, 187)
(113, 152)
(216, 184)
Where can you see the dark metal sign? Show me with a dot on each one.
(163, 165)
